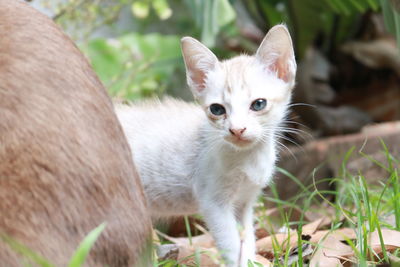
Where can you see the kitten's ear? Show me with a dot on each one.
(199, 60)
(276, 53)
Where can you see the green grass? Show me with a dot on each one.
(363, 206)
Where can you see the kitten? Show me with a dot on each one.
(65, 164)
(214, 158)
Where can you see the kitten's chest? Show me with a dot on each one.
(252, 168)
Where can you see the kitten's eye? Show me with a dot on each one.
(258, 104)
(217, 109)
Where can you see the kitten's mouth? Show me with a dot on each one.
(239, 141)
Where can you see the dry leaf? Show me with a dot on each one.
(340, 234)
(204, 240)
(310, 228)
(263, 261)
(391, 239)
(328, 253)
(327, 212)
(185, 251)
(393, 260)
(167, 251)
(266, 243)
(261, 232)
(294, 253)
(207, 257)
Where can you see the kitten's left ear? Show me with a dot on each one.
(276, 54)
(199, 61)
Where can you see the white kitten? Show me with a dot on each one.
(214, 158)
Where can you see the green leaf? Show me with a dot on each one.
(209, 25)
(140, 9)
(216, 14)
(358, 5)
(79, 257)
(392, 19)
(273, 14)
(106, 57)
(374, 4)
(135, 65)
(162, 9)
(310, 18)
(226, 13)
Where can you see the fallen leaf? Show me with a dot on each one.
(167, 251)
(394, 260)
(315, 213)
(339, 234)
(310, 228)
(261, 232)
(207, 257)
(390, 237)
(204, 240)
(328, 253)
(391, 240)
(263, 261)
(294, 254)
(281, 240)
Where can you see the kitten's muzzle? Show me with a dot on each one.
(237, 137)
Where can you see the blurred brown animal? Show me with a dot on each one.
(65, 164)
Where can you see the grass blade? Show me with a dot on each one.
(188, 230)
(80, 254)
(25, 251)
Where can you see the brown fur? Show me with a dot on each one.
(65, 165)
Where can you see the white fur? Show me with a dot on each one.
(189, 162)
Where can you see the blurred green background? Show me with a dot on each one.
(134, 45)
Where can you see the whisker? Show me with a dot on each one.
(269, 133)
(302, 104)
(295, 122)
(293, 131)
(289, 140)
(288, 149)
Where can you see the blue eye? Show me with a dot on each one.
(217, 109)
(258, 104)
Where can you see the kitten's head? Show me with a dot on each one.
(245, 98)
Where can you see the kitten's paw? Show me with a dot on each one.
(246, 258)
(245, 262)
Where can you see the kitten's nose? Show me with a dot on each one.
(237, 132)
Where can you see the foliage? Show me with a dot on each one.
(135, 65)
(133, 72)
(355, 206)
(81, 18)
(391, 13)
(308, 18)
(210, 16)
(141, 8)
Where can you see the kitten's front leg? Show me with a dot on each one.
(221, 222)
(245, 217)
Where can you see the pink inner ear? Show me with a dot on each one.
(280, 67)
(198, 77)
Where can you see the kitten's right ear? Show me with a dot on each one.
(199, 60)
(276, 53)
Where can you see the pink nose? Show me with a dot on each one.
(237, 132)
